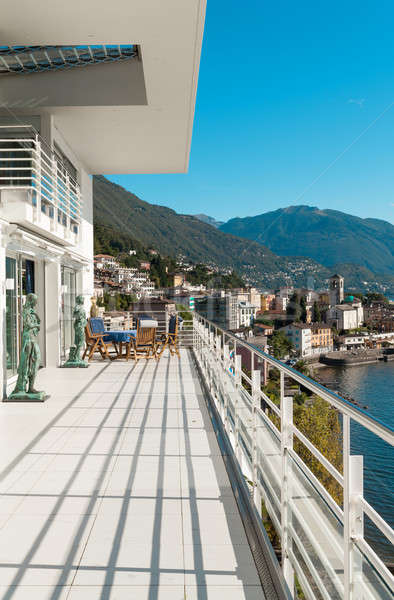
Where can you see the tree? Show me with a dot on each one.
(303, 316)
(302, 367)
(316, 313)
(293, 309)
(319, 422)
(280, 345)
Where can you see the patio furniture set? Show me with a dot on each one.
(142, 342)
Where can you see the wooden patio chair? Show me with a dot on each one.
(96, 339)
(143, 344)
(170, 339)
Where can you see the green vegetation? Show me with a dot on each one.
(280, 345)
(294, 309)
(316, 315)
(319, 422)
(201, 274)
(263, 320)
(116, 302)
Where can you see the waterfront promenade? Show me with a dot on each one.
(115, 488)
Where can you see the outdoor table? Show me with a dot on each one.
(120, 337)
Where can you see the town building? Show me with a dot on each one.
(300, 335)
(350, 342)
(105, 261)
(262, 328)
(336, 290)
(222, 310)
(267, 302)
(321, 338)
(246, 314)
(349, 315)
(179, 279)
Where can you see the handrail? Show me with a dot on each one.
(329, 537)
(375, 425)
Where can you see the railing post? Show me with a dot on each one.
(286, 419)
(38, 177)
(237, 379)
(353, 518)
(68, 202)
(256, 387)
(223, 374)
(55, 192)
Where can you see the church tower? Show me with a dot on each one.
(336, 289)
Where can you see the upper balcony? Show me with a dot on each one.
(36, 189)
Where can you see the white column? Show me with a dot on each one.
(52, 313)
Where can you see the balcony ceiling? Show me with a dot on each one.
(130, 116)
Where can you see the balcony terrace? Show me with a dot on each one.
(146, 481)
(37, 190)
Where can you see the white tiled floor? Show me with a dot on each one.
(115, 489)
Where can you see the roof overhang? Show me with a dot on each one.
(133, 116)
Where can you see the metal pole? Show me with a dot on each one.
(353, 525)
(286, 419)
(256, 386)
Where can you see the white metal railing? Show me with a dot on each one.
(26, 163)
(322, 541)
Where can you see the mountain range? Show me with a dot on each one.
(123, 219)
(327, 236)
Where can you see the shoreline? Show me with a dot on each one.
(346, 359)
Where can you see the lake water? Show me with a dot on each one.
(371, 385)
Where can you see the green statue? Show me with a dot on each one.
(30, 356)
(74, 358)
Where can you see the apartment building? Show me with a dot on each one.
(321, 338)
(246, 313)
(93, 90)
(300, 335)
(105, 261)
(222, 310)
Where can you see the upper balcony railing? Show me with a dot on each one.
(314, 497)
(27, 164)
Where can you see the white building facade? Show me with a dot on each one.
(246, 314)
(346, 316)
(301, 337)
(106, 91)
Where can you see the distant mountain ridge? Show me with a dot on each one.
(326, 236)
(118, 212)
(122, 220)
(210, 220)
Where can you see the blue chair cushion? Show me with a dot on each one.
(172, 323)
(97, 325)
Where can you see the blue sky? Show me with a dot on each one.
(295, 105)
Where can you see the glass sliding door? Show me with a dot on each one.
(11, 317)
(68, 302)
